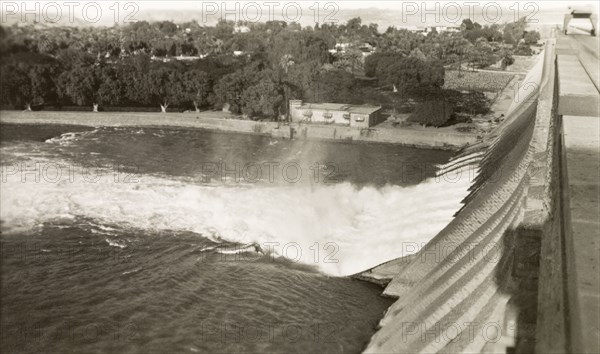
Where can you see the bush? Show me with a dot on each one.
(432, 113)
(523, 49)
(466, 129)
(470, 103)
(458, 118)
(532, 37)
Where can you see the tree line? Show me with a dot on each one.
(252, 69)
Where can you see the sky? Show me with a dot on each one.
(384, 13)
(389, 4)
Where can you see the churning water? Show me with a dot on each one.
(129, 239)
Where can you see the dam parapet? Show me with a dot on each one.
(577, 209)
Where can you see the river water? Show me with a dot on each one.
(181, 240)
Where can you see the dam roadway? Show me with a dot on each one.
(580, 187)
(517, 269)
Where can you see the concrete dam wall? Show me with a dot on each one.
(473, 287)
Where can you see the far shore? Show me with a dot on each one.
(221, 121)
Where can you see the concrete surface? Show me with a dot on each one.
(586, 48)
(581, 211)
(577, 93)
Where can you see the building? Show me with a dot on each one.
(424, 30)
(339, 48)
(454, 29)
(366, 49)
(441, 29)
(416, 29)
(241, 29)
(363, 116)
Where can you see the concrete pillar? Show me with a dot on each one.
(294, 106)
(568, 19)
(594, 21)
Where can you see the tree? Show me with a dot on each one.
(71, 58)
(349, 60)
(412, 72)
(418, 54)
(300, 81)
(138, 36)
(455, 49)
(168, 28)
(473, 31)
(80, 85)
(507, 58)
(467, 25)
(43, 88)
(508, 38)
(513, 32)
(376, 62)
(523, 49)
(531, 37)
(25, 84)
(334, 86)
(286, 62)
(113, 66)
(206, 44)
(473, 35)
(492, 33)
(432, 113)
(111, 89)
(353, 24)
(196, 87)
(15, 86)
(263, 98)
(399, 41)
(161, 85)
(132, 73)
(230, 88)
(302, 46)
(405, 73)
(46, 45)
(481, 54)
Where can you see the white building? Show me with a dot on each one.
(241, 29)
(362, 116)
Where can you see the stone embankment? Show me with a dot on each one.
(219, 121)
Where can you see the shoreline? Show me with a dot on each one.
(226, 122)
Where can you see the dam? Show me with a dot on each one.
(517, 268)
(198, 232)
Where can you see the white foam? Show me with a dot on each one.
(114, 244)
(70, 138)
(131, 271)
(340, 228)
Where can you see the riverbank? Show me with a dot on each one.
(220, 121)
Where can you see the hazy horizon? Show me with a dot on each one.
(383, 13)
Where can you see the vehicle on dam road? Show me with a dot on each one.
(581, 13)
